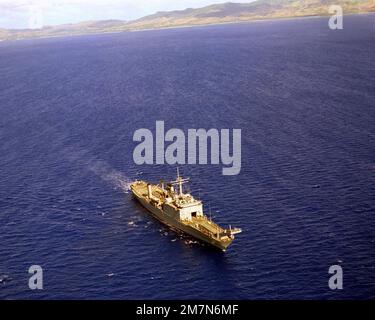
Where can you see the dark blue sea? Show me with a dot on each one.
(304, 97)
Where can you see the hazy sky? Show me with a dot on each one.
(38, 13)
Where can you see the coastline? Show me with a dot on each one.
(180, 27)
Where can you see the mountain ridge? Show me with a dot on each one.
(229, 12)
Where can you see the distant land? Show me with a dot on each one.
(214, 14)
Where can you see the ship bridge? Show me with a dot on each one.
(186, 205)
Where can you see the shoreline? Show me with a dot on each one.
(181, 27)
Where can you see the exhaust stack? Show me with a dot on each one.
(149, 189)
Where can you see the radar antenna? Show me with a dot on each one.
(180, 181)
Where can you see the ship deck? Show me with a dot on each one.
(205, 223)
(197, 225)
(141, 189)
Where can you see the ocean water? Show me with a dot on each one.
(304, 97)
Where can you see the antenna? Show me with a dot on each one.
(180, 181)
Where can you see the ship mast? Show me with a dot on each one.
(180, 181)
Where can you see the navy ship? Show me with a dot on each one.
(181, 211)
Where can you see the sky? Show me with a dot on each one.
(33, 14)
